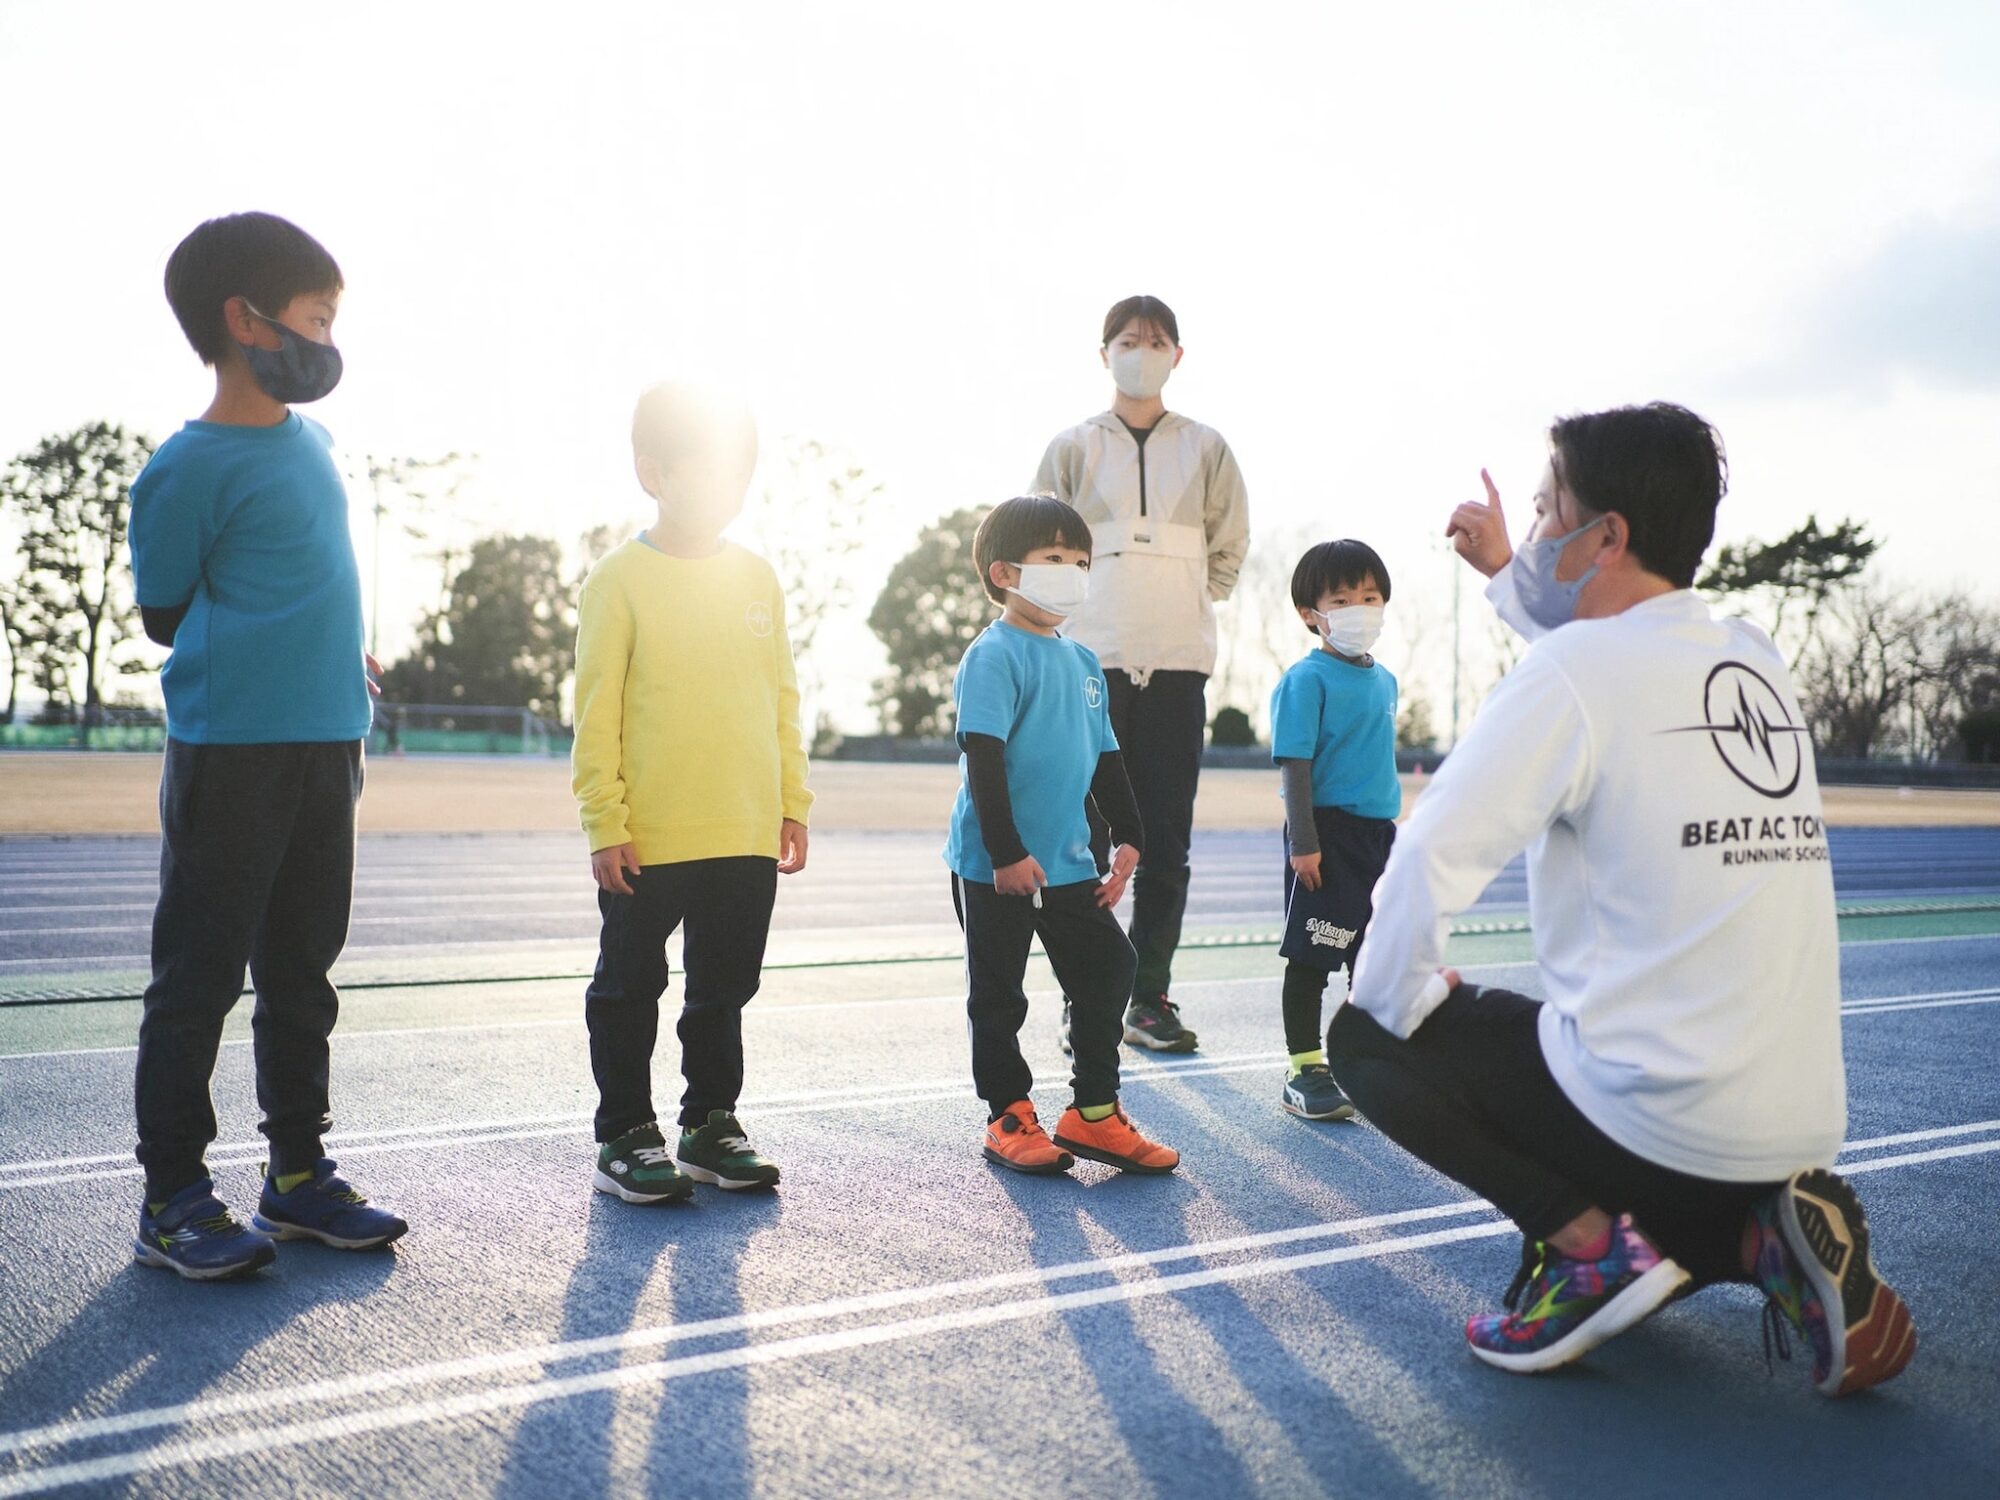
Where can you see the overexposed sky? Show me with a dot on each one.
(1398, 242)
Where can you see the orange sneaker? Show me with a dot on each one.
(1017, 1140)
(1115, 1141)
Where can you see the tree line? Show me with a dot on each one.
(1882, 670)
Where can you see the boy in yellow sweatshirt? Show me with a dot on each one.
(690, 772)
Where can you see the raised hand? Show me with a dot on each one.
(1478, 532)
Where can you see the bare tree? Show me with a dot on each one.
(810, 521)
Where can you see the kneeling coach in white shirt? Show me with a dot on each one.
(1667, 1117)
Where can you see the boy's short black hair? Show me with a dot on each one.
(678, 423)
(261, 257)
(1342, 564)
(1146, 309)
(1659, 466)
(1014, 528)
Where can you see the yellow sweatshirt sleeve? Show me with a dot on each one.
(796, 798)
(604, 637)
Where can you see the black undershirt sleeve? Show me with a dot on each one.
(1111, 790)
(1300, 829)
(162, 621)
(986, 782)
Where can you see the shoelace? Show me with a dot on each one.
(652, 1156)
(733, 1144)
(1777, 1335)
(219, 1223)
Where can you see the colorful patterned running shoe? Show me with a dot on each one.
(1155, 1024)
(1813, 1264)
(325, 1207)
(1560, 1309)
(195, 1236)
(639, 1168)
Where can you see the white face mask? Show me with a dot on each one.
(1353, 630)
(1056, 587)
(1141, 373)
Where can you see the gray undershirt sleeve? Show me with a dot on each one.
(1299, 825)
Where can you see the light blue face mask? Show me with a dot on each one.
(1545, 599)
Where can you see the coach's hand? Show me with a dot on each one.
(1478, 533)
(1306, 867)
(371, 669)
(1022, 878)
(791, 847)
(1111, 889)
(608, 867)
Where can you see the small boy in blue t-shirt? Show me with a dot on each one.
(1333, 735)
(1034, 724)
(242, 563)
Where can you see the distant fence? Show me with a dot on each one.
(418, 728)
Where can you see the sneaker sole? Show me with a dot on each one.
(1136, 1038)
(1111, 1159)
(1824, 1227)
(277, 1231)
(148, 1255)
(728, 1184)
(1344, 1112)
(604, 1182)
(1047, 1169)
(1634, 1304)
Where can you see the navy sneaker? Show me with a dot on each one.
(324, 1208)
(195, 1236)
(1311, 1094)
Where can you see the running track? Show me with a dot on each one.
(1278, 1318)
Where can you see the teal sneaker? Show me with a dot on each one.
(717, 1153)
(638, 1168)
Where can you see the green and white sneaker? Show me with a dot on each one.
(717, 1153)
(638, 1168)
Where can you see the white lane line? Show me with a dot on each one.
(417, 1139)
(1854, 1007)
(1978, 1127)
(658, 1336)
(186, 1452)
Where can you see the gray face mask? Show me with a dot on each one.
(1545, 599)
(297, 370)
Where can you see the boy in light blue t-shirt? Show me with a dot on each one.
(242, 563)
(1034, 723)
(1333, 735)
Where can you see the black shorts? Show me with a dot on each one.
(1323, 928)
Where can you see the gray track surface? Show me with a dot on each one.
(902, 1318)
(87, 903)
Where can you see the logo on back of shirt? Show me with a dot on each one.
(758, 618)
(1747, 722)
(1093, 691)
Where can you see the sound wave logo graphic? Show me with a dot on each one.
(1747, 722)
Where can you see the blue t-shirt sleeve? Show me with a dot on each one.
(1297, 708)
(988, 693)
(171, 530)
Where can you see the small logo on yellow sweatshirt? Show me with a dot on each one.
(758, 618)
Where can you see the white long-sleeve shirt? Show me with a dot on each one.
(1169, 526)
(1655, 767)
